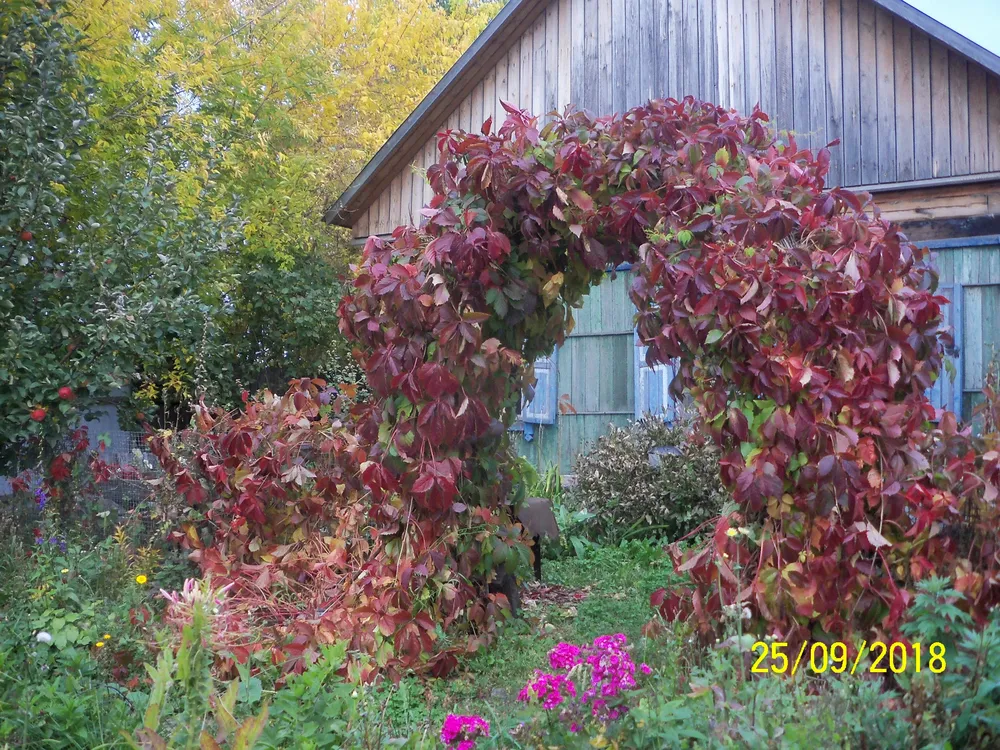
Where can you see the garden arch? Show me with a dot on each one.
(805, 326)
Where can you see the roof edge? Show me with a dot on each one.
(357, 197)
(346, 207)
(942, 33)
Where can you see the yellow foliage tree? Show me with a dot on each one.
(257, 112)
(286, 99)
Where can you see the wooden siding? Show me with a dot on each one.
(977, 271)
(594, 373)
(903, 106)
(931, 213)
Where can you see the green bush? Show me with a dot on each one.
(72, 640)
(629, 497)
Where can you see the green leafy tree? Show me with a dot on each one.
(44, 123)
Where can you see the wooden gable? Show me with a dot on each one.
(907, 109)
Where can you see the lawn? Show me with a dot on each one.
(580, 598)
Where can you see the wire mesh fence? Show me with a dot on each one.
(126, 466)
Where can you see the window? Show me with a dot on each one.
(541, 409)
(652, 386)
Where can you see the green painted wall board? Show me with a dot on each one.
(597, 362)
(595, 374)
(977, 269)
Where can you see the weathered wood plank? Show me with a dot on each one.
(538, 68)
(851, 79)
(430, 157)
(979, 137)
(958, 86)
(972, 354)
(737, 78)
(784, 79)
(633, 49)
(514, 75)
(476, 111)
(525, 87)
(489, 97)
(648, 61)
(406, 195)
(766, 54)
(681, 15)
(800, 70)
(671, 41)
(465, 113)
(551, 57)
(923, 158)
(886, 96)
(385, 212)
(902, 53)
(501, 93)
(578, 70)
(360, 229)
(940, 112)
(751, 53)
(707, 60)
(591, 60)
(993, 105)
(395, 201)
(565, 52)
(724, 96)
(991, 312)
(869, 92)
(619, 61)
(834, 88)
(605, 104)
(818, 122)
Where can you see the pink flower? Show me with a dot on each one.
(460, 732)
(564, 656)
(550, 689)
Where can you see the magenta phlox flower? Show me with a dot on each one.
(612, 673)
(461, 732)
(591, 679)
(564, 656)
(550, 689)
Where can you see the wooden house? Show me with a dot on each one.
(915, 106)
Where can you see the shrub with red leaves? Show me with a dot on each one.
(279, 514)
(804, 325)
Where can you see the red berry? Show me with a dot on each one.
(140, 416)
(38, 414)
(65, 393)
(26, 235)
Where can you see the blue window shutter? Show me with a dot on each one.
(652, 386)
(947, 393)
(541, 409)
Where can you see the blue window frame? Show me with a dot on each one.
(541, 407)
(946, 393)
(652, 386)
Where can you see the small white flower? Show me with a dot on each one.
(747, 614)
(42, 637)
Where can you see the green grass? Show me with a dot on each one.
(618, 582)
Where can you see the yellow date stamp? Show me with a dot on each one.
(774, 657)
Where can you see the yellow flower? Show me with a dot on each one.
(731, 532)
(141, 579)
(65, 570)
(99, 644)
(107, 637)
